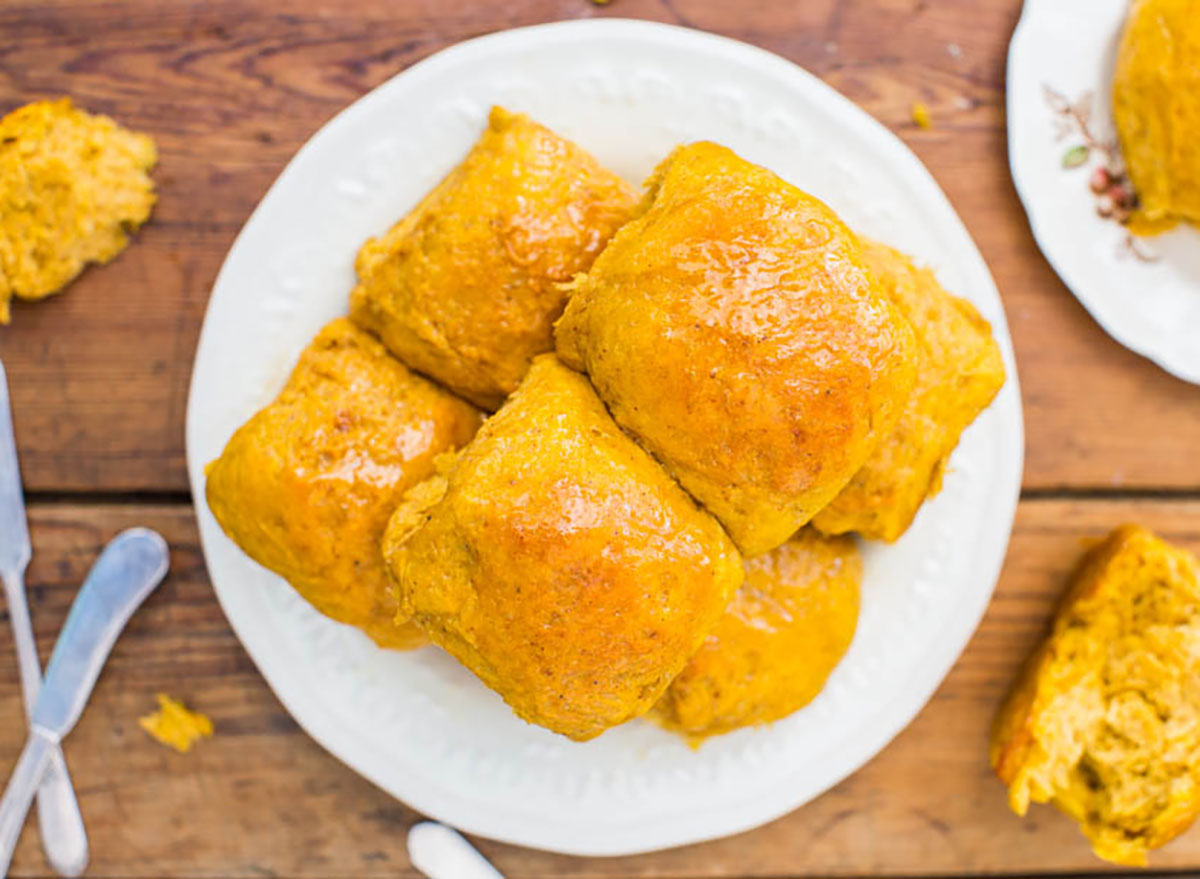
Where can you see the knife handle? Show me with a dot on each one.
(60, 823)
(19, 794)
(64, 838)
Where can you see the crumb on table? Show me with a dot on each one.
(175, 726)
(921, 115)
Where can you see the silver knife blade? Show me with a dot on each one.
(128, 570)
(15, 550)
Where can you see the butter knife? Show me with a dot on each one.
(63, 836)
(128, 570)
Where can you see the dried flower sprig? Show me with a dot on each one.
(1109, 182)
(1076, 118)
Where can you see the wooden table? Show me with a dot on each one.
(230, 89)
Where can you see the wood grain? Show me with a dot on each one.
(261, 798)
(232, 88)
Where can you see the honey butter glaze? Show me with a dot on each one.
(782, 635)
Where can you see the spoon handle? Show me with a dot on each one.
(440, 852)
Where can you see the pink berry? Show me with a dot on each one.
(1100, 180)
(1121, 195)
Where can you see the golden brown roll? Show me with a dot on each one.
(1156, 106)
(959, 372)
(558, 562)
(72, 188)
(734, 329)
(1104, 721)
(783, 633)
(306, 486)
(467, 287)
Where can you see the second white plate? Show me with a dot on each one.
(417, 724)
(1068, 48)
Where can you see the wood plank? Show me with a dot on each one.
(262, 799)
(230, 89)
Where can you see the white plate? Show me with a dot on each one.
(1152, 308)
(418, 725)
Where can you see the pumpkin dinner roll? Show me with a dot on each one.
(73, 186)
(306, 486)
(1156, 107)
(959, 373)
(467, 287)
(735, 329)
(558, 562)
(779, 639)
(1104, 721)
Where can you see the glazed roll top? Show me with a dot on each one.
(558, 562)
(306, 486)
(735, 330)
(467, 287)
